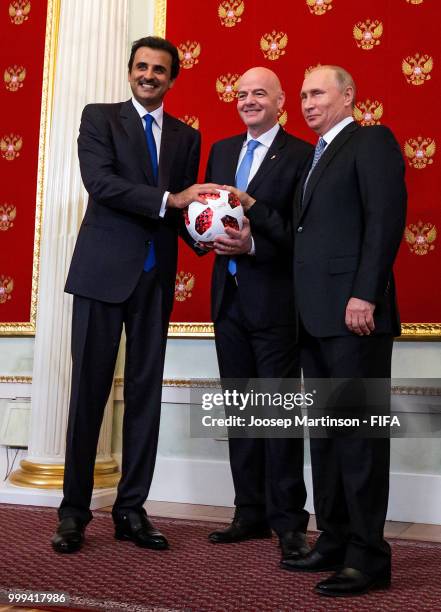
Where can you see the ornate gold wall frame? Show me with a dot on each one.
(160, 17)
(50, 51)
(410, 331)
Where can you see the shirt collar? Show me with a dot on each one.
(157, 114)
(334, 131)
(266, 139)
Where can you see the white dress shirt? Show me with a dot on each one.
(158, 115)
(328, 137)
(265, 140)
(333, 132)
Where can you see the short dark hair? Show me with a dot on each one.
(156, 42)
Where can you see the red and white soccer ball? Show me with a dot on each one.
(206, 221)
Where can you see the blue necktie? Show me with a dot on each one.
(242, 176)
(318, 152)
(150, 262)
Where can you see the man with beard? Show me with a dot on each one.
(137, 163)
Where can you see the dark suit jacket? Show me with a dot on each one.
(264, 280)
(122, 215)
(348, 230)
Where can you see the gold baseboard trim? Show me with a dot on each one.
(50, 476)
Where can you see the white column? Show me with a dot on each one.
(91, 66)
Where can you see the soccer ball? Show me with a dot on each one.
(204, 222)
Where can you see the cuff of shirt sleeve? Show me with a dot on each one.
(164, 204)
(252, 251)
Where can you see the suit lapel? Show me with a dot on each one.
(232, 158)
(329, 153)
(169, 147)
(132, 124)
(298, 195)
(271, 159)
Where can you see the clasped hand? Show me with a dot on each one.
(359, 317)
(195, 193)
(245, 199)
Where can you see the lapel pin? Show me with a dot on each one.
(273, 157)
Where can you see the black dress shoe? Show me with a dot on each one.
(294, 545)
(240, 530)
(349, 582)
(136, 527)
(69, 536)
(313, 561)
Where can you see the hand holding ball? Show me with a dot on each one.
(204, 222)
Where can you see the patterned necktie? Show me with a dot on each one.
(318, 152)
(242, 176)
(150, 261)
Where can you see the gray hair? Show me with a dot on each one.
(343, 78)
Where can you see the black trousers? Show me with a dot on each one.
(267, 473)
(96, 334)
(351, 474)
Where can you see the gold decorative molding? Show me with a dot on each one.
(27, 380)
(160, 17)
(50, 476)
(191, 330)
(119, 382)
(186, 383)
(50, 51)
(215, 382)
(410, 331)
(194, 383)
(420, 331)
(423, 391)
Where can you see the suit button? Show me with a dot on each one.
(300, 229)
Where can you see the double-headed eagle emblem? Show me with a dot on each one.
(10, 146)
(282, 117)
(273, 45)
(184, 285)
(319, 7)
(414, 1)
(14, 77)
(368, 113)
(419, 152)
(7, 216)
(226, 86)
(190, 120)
(189, 53)
(6, 288)
(420, 237)
(230, 12)
(310, 69)
(417, 69)
(367, 34)
(19, 11)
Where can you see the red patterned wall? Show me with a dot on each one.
(391, 47)
(22, 28)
